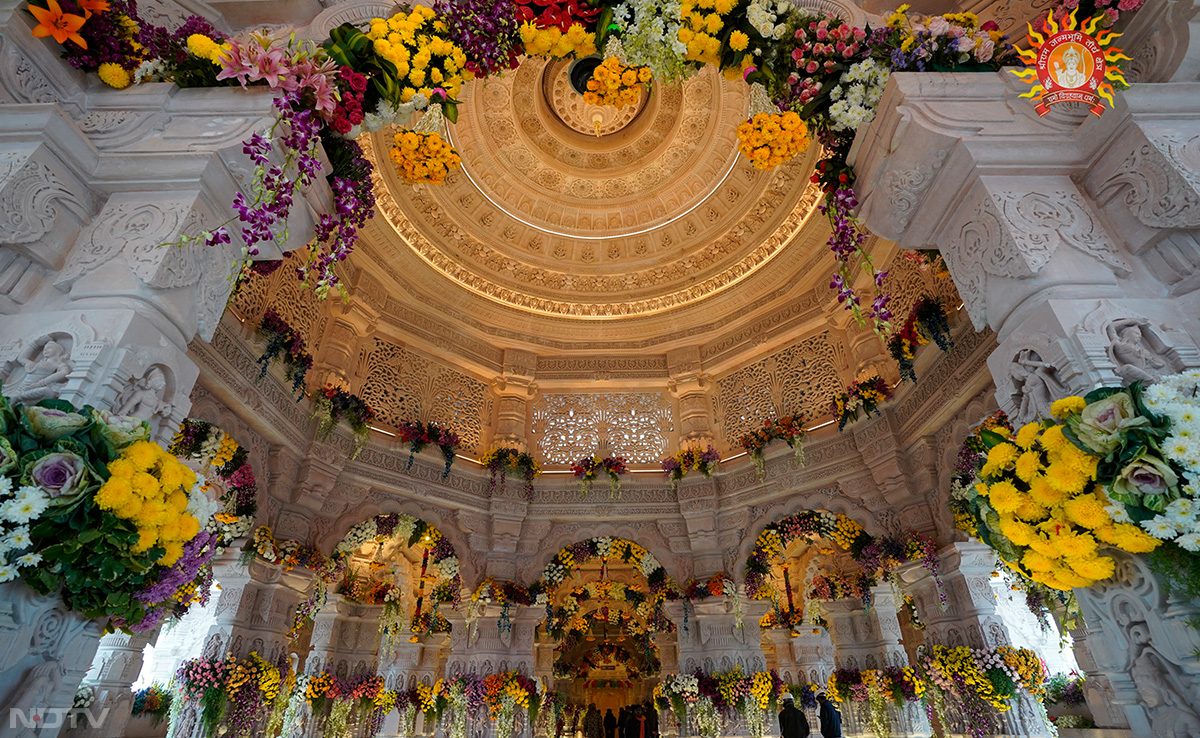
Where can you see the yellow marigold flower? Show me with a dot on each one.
(738, 41)
(1067, 406)
(202, 46)
(114, 75)
(1069, 578)
(130, 509)
(1002, 455)
(1005, 497)
(147, 537)
(145, 484)
(1053, 438)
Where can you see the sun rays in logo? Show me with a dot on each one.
(1072, 62)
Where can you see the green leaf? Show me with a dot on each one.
(991, 439)
(450, 110)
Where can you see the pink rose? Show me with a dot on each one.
(822, 34)
(1126, 6)
(984, 49)
(938, 26)
(812, 67)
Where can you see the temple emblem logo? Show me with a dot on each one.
(1070, 62)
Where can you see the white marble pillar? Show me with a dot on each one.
(115, 668)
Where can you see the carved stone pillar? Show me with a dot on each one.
(45, 650)
(1064, 234)
(1139, 638)
(115, 668)
(971, 618)
(496, 646)
(813, 651)
(691, 387)
(714, 641)
(255, 608)
(345, 639)
(514, 389)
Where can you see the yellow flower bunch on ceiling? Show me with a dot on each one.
(613, 83)
(424, 60)
(1042, 489)
(149, 487)
(423, 157)
(553, 42)
(770, 139)
(703, 23)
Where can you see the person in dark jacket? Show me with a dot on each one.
(651, 718)
(792, 722)
(610, 724)
(831, 719)
(623, 722)
(593, 724)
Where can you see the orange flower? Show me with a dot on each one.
(53, 22)
(93, 6)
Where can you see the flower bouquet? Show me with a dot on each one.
(789, 429)
(233, 514)
(769, 139)
(283, 340)
(499, 461)
(418, 435)
(589, 468)
(616, 84)
(926, 322)
(691, 459)
(865, 395)
(154, 701)
(93, 511)
(334, 404)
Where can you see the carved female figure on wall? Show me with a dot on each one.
(1035, 385)
(1138, 352)
(45, 376)
(143, 397)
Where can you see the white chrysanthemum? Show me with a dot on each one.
(17, 539)
(200, 505)
(649, 564)
(448, 567)
(6, 486)
(1189, 542)
(29, 559)
(21, 511)
(1182, 510)
(7, 573)
(1161, 528)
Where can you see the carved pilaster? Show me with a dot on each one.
(116, 666)
(692, 388)
(513, 390)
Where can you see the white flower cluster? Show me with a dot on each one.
(651, 38)
(960, 490)
(17, 512)
(989, 658)
(210, 445)
(684, 685)
(387, 113)
(857, 95)
(762, 15)
(405, 527)
(1178, 398)
(604, 546)
(200, 505)
(554, 573)
(448, 567)
(230, 531)
(649, 564)
(357, 536)
(85, 696)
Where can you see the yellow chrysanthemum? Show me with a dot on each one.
(122, 468)
(1092, 567)
(1067, 406)
(1028, 466)
(113, 494)
(1005, 497)
(1016, 531)
(1074, 545)
(143, 454)
(114, 75)
(1035, 561)
(738, 41)
(1043, 493)
(1086, 511)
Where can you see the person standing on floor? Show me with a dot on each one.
(593, 725)
(792, 722)
(610, 724)
(831, 719)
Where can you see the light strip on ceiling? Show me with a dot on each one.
(664, 224)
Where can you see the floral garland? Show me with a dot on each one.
(461, 695)
(830, 587)
(686, 460)
(283, 340)
(329, 570)
(589, 468)
(94, 512)
(154, 701)
(914, 617)
(197, 440)
(926, 323)
(717, 585)
(877, 557)
(505, 593)
(865, 395)
(879, 688)
(231, 694)
(976, 679)
(499, 460)
(334, 404)
(789, 429)
(418, 435)
(504, 693)
(564, 624)
(602, 547)
(709, 698)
